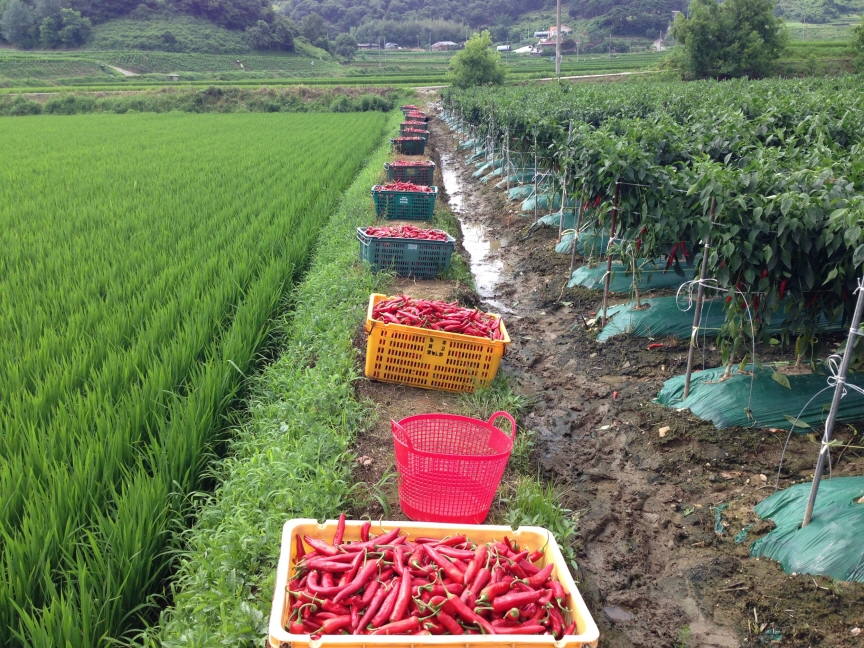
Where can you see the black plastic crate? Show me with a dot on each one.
(420, 173)
(407, 257)
(404, 205)
(414, 132)
(409, 146)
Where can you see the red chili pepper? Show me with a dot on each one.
(764, 273)
(476, 563)
(672, 257)
(525, 628)
(452, 572)
(516, 599)
(359, 581)
(782, 289)
(542, 576)
(320, 563)
(381, 540)
(386, 608)
(494, 590)
(330, 626)
(655, 345)
(296, 627)
(402, 599)
(469, 615)
(684, 249)
(374, 606)
(481, 580)
(320, 546)
(340, 530)
(301, 550)
(449, 623)
(398, 627)
(364, 531)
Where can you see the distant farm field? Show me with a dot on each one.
(143, 257)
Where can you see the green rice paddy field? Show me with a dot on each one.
(143, 259)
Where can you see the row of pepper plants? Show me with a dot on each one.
(779, 160)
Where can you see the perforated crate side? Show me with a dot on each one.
(407, 257)
(405, 205)
(420, 174)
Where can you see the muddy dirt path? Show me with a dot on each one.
(652, 567)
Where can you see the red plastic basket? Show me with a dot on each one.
(450, 466)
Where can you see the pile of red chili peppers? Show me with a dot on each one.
(407, 232)
(407, 139)
(409, 163)
(437, 316)
(416, 130)
(402, 186)
(389, 585)
(413, 123)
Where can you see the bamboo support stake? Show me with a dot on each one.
(575, 232)
(608, 276)
(700, 298)
(839, 391)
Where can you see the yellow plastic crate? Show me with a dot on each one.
(410, 355)
(530, 538)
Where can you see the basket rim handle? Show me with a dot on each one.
(510, 418)
(405, 434)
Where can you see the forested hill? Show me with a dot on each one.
(624, 17)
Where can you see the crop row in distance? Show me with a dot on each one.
(780, 159)
(143, 258)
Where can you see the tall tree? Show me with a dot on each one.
(733, 39)
(477, 64)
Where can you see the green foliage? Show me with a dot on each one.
(345, 47)
(290, 458)
(858, 44)
(817, 11)
(733, 39)
(781, 158)
(409, 33)
(478, 64)
(162, 256)
(188, 34)
(213, 99)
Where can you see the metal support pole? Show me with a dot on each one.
(839, 390)
(536, 197)
(700, 297)
(575, 232)
(507, 144)
(609, 256)
(563, 203)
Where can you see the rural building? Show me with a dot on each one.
(565, 31)
(173, 77)
(367, 46)
(503, 48)
(541, 34)
(443, 46)
(391, 45)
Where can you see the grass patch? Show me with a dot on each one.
(291, 458)
(534, 503)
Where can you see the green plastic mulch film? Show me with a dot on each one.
(831, 545)
(753, 398)
(669, 315)
(651, 276)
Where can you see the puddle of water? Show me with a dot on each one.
(486, 270)
(617, 614)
